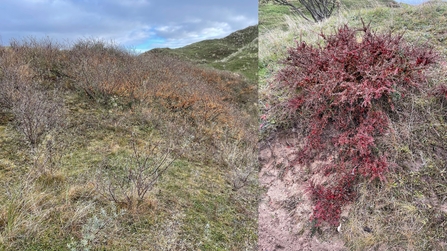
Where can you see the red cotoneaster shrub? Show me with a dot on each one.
(344, 90)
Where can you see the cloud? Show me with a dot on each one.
(144, 24)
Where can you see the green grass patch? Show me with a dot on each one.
(271, 16)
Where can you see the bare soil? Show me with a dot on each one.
(285, 208)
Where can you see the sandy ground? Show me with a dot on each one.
(284, 208)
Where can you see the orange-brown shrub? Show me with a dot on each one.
(206, 99)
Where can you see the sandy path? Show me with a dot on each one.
(284, 208)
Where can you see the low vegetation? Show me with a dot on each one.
(318, 10)
(104, 149)
(388, 107)
(343, 94)
(237, 52)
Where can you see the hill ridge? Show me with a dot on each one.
(237, 52)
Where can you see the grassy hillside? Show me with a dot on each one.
(236, 52)
(271, 15)
(408, 212)
(104, 150)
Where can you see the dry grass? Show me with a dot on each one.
(99, 95)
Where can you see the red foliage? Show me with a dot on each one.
(348, 86)
(329, 201)
(440, 91)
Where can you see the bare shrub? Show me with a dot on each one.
(28, 69)
(101, 69)
(45, 59)
(128, 185)
(5, 95)
(14, 71)
(318, 9)
(4, 98)
(241, 159)
(36, 113)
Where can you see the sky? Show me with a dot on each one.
(135, 24)
(414, 2)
